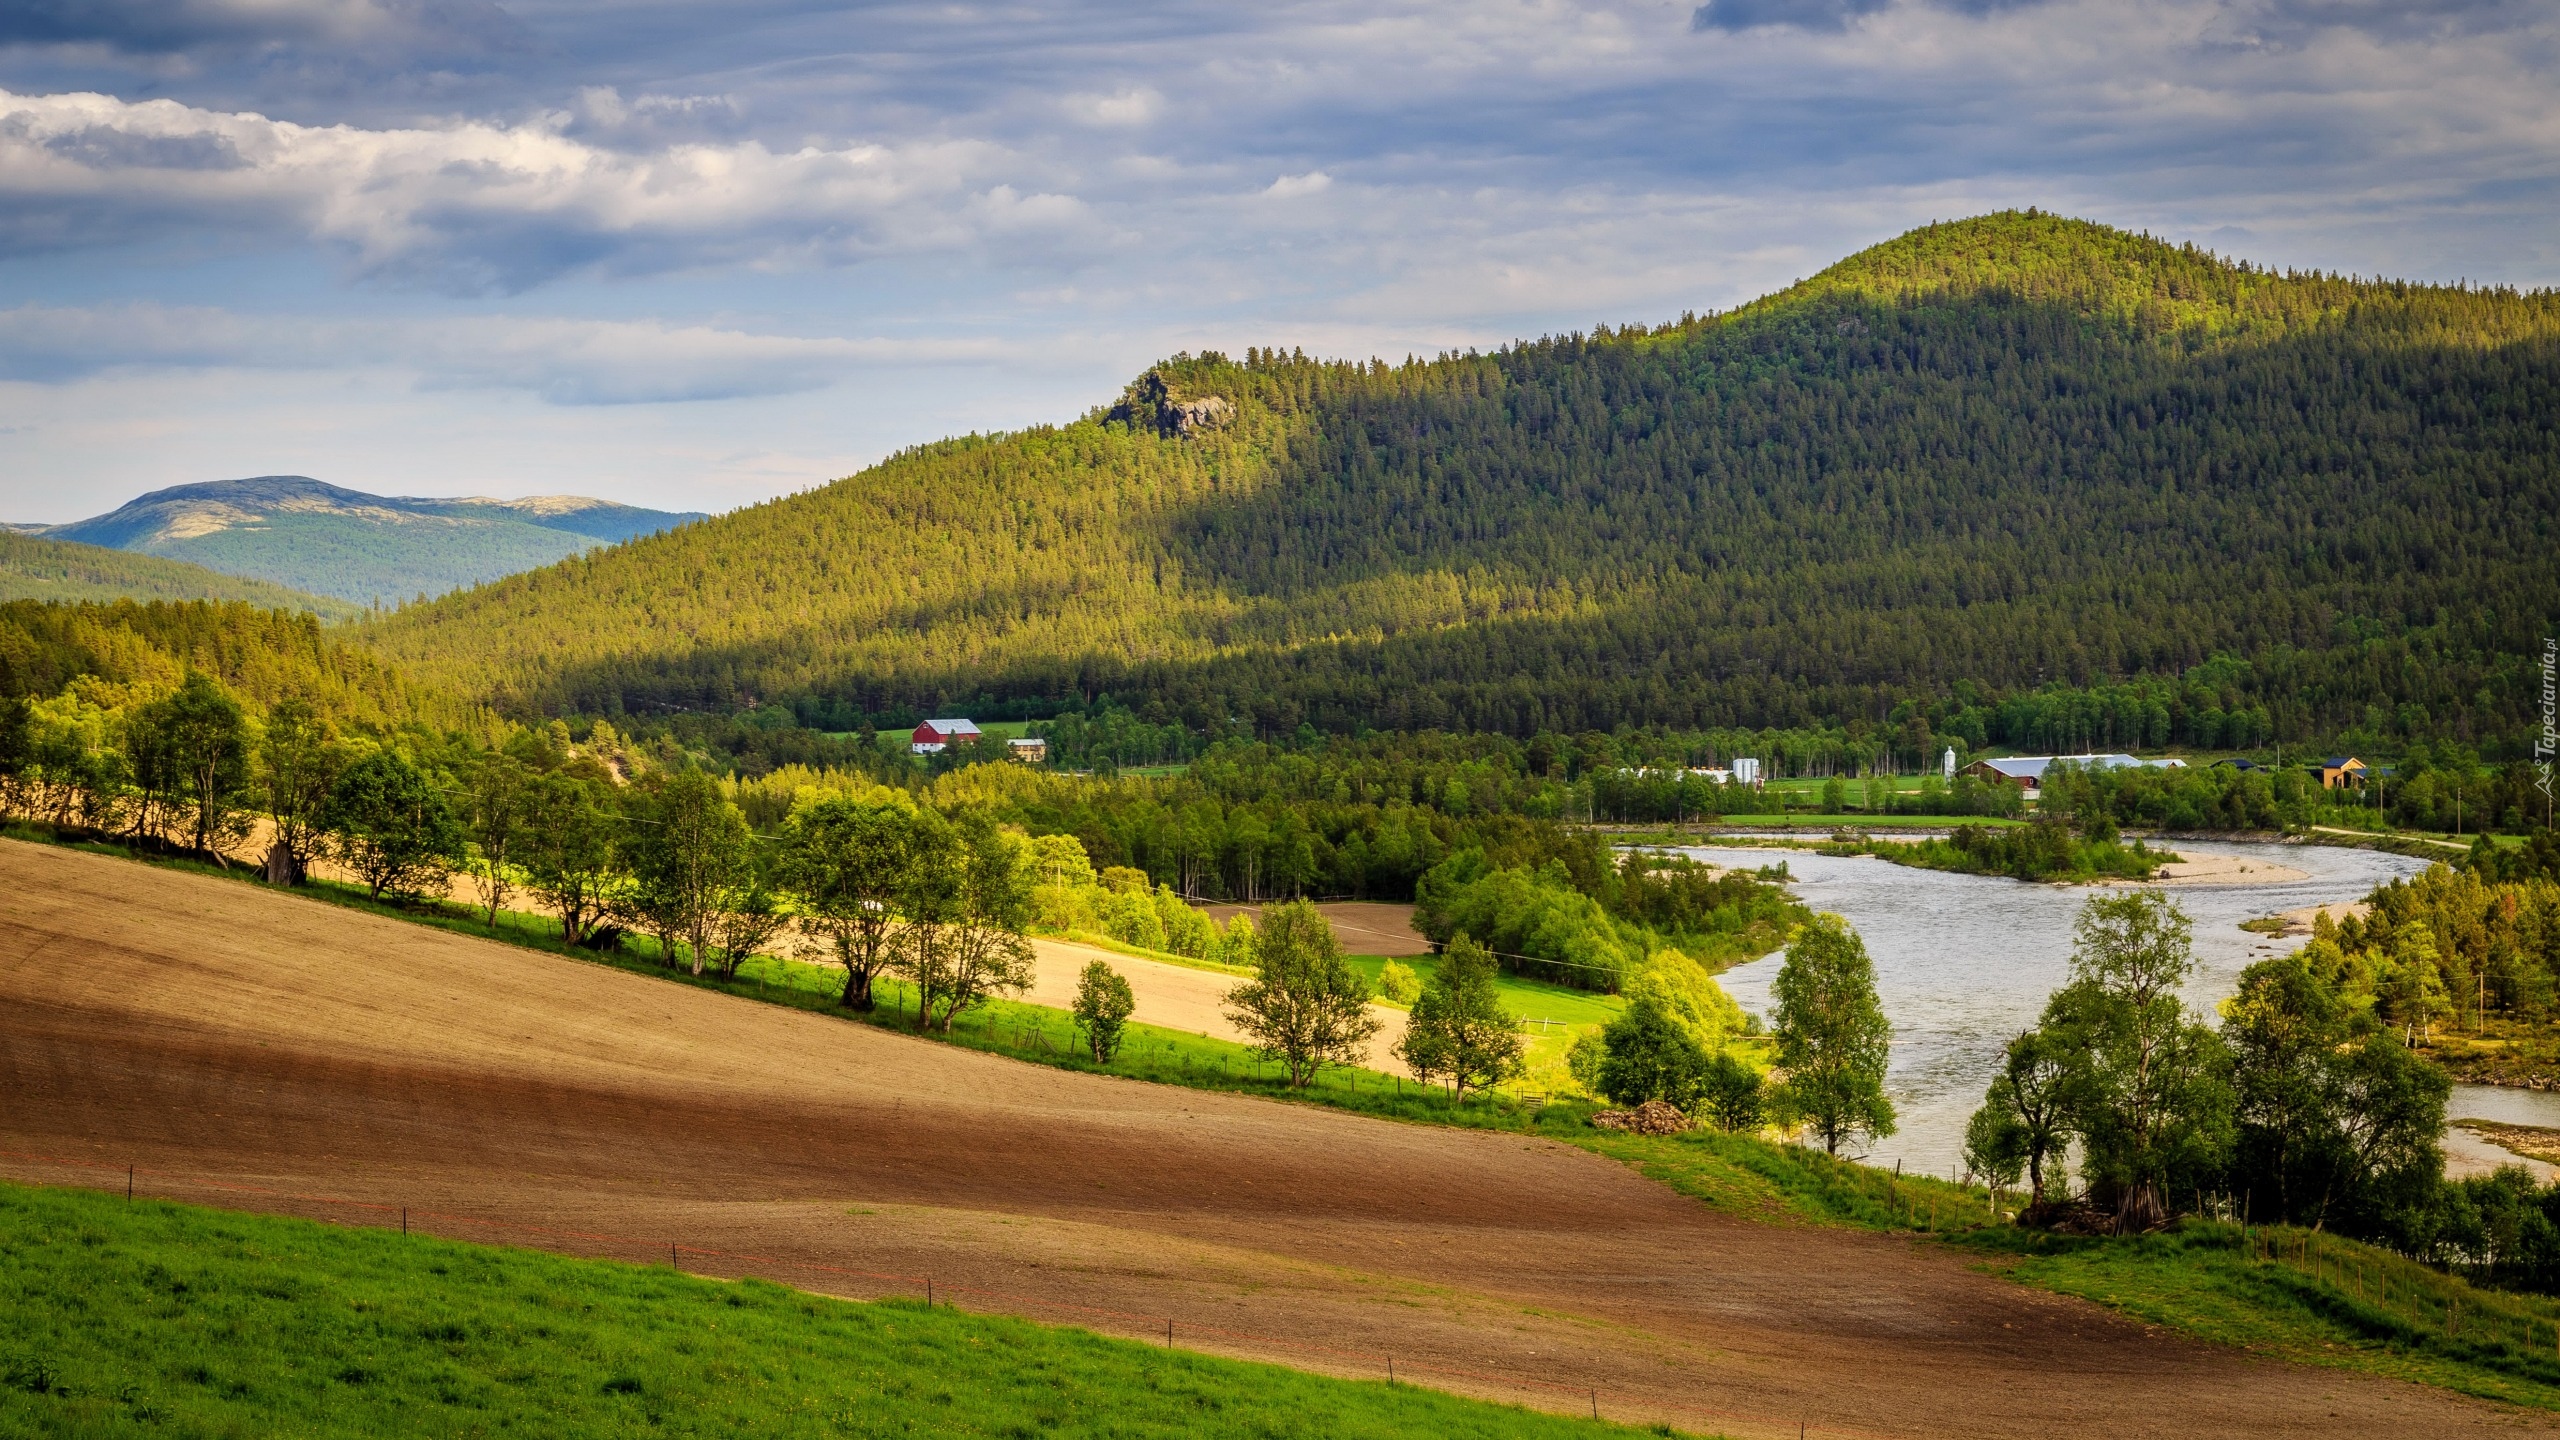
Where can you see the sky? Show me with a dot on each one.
(695, 255)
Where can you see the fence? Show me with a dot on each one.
(157, 1182)
(2407, 1292)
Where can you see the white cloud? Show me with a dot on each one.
(1127, 106)
(480, 205)
(1290, 186)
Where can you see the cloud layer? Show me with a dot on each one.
(564, 361)
(473, 205)
(769, 186)
(397, 30)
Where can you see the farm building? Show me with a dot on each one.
(2343, 772)
(933, 735)
(1030, 749)
(2027, 771)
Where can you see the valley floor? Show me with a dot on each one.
(218, 1035)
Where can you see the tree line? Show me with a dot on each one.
(2307, 1104)
(33, 568)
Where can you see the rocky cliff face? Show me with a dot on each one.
(1151, 402)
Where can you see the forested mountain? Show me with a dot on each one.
(123, 651)
(294, 531)
(1985, 457)
(34, 568)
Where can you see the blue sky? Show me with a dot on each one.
(695, 255)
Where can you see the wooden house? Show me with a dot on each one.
(933, 735)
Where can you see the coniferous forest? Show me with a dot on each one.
(1986, 460)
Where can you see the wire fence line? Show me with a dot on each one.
(2406, 1291)
(140, 1180)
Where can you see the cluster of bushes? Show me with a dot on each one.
(1717, 916)
(2045, 850)
(1119, 903)
(1549, 926)
(1682, 1041)
(2502, 1228)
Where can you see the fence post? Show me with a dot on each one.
(128, 1182)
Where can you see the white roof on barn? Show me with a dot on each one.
(954, 727)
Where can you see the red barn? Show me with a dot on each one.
(932, 735)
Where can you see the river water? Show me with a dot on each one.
(1965, 962)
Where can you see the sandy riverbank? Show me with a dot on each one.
(2219, 870)
(2300, 922)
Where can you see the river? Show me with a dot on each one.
(1964, 962)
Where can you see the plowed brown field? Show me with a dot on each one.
(203, 1028)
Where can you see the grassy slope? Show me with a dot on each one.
(37, 569)
(2310, 1299)
(1554, 1016)
(2202, 1280)
(143, 1317)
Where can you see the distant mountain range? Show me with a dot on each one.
(297, 532)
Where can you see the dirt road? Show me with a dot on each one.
(198, 1026)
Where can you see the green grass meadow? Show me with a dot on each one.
(144, 1318)
(1551, 1016)
(2286, 1293)
(2304, 1297)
